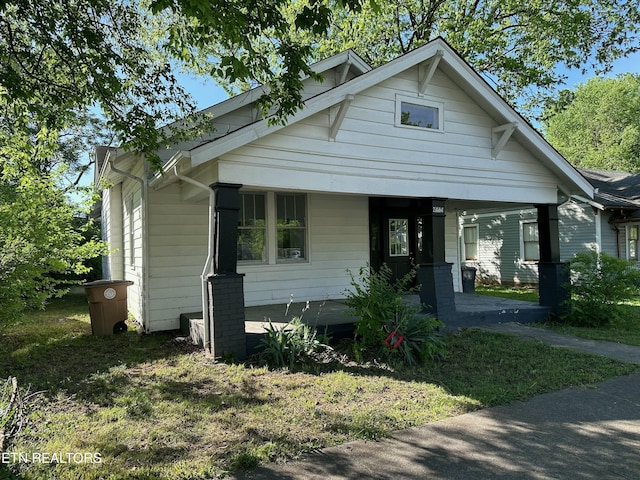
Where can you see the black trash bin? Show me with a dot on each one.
(469, 279)
(107, 306)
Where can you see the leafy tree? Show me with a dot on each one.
(67, 66)
(38, 224)
(515, 45)
(598, 124)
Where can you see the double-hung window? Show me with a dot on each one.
(252, 228)
(272, 228)
(470, 242)
(291, 226)
(530, 242)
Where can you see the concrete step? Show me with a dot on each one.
(192, 326)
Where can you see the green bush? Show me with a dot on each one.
(390, 328)
(599, 283)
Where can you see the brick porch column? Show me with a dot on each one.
(553, 278)
(434, 274)
(226, 289)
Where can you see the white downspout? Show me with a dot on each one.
(208, 266)
(145, 240)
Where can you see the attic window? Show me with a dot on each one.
(419, 113)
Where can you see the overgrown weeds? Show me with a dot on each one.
(391, 329)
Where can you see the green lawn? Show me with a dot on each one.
(624, 329)
(152, 407)
(527, 294)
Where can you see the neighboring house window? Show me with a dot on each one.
(633, 242)
(291, 226)
(419, 113)
(530, 241)
(252, 228)
(470, 239)
(398, 237)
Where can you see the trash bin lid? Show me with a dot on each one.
(104, 282)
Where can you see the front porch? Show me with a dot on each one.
(471, 310)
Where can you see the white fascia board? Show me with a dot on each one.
(180, 159)
(590, 202)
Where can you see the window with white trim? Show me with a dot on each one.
(419, 113)
(291, 226)
(530, 242)
(252, 228)
(632, 239)
(272, 228)
(470, 242)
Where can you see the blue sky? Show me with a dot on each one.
(207, 93)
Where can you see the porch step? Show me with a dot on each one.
(192, 326)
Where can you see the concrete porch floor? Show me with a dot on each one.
(471, 310)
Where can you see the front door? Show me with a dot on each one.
(393, 234)
(399, 244)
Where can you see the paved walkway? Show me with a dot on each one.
(580, 433)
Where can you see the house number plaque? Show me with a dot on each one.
(437, 209)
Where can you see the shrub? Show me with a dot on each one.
(389, 327)
(599, 283)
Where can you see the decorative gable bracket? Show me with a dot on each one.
(344, 71)
(337, 122)
(426, 73)
(507, 130)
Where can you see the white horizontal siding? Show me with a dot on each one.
(338, 240)
(370, 155)
(177, 249)
(610, 237)
(132, 238)
(577, 229)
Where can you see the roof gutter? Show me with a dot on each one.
(208, 268)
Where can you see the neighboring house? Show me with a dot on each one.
(374, 169)
(503, 245)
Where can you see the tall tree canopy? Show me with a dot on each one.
(598, 124)
(517, 45)
(69, 65)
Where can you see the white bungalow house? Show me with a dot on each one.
(373, 169)
(503, 244)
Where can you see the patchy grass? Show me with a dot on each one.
(624, 328)
(156, 408)
(526, 294)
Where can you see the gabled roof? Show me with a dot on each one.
(615, 190)
(572, 182)
(348, 58)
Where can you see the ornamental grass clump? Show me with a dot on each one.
(391, 329)
(293, 344)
